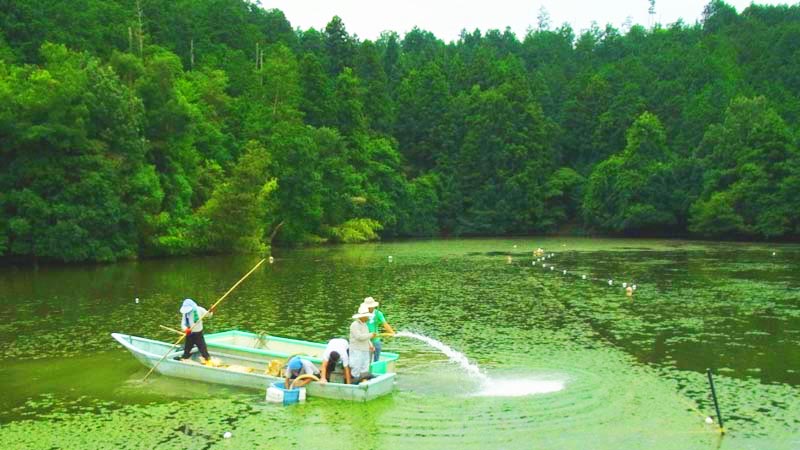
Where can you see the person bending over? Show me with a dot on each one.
(298, 366)
(335, 351)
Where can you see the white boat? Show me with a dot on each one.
(243, 371)
(243, 343)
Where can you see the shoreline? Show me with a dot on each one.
(26, 262)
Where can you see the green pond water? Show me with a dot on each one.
(630, 373)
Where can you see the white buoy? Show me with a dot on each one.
(137, 299)
(610, 282)
(709, 420)
(271, 260)
(515, 245)
(227, 435)
(533, 263)
(634, 287)
(583, 277)
(390, 258)
(624, 285)
(552, 268)
(773, 253)
(565, 272)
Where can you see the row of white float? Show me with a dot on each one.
(629, 287)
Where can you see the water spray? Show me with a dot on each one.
(452, 354)
(490, 387)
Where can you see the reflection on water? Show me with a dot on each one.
(591, 366)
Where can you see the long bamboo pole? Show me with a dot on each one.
(183, 336)
(172, 329)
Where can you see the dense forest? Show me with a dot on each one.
(143, 128)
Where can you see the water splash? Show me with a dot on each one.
(519, 387)
(490, 387)
(454, 355)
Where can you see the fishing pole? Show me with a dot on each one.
(183, 336)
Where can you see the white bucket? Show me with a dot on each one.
(274, 395)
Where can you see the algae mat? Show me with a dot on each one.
(630, 373)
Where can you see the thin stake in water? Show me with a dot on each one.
(716, 404)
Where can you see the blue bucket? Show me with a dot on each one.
(290, 396)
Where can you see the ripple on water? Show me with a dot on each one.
(632, 371)
(592, 393)
(519, 387)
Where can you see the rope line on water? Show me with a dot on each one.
(692, 406)
(637, 381)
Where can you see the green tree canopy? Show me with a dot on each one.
(135, 128)
(634, 191)
(750, 162)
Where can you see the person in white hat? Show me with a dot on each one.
(360, 345)
(191, 313)
(374, 324)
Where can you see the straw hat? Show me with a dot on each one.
(370, 302)
(363, 311)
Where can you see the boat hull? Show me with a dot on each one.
(149, 352)
(243, 343)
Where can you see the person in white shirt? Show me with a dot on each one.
(191, 313)
(336, 350)
(360, 344)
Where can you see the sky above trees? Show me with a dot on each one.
(446, 18)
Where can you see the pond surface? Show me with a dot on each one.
(628, 373)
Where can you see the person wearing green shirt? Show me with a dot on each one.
(374, 323)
